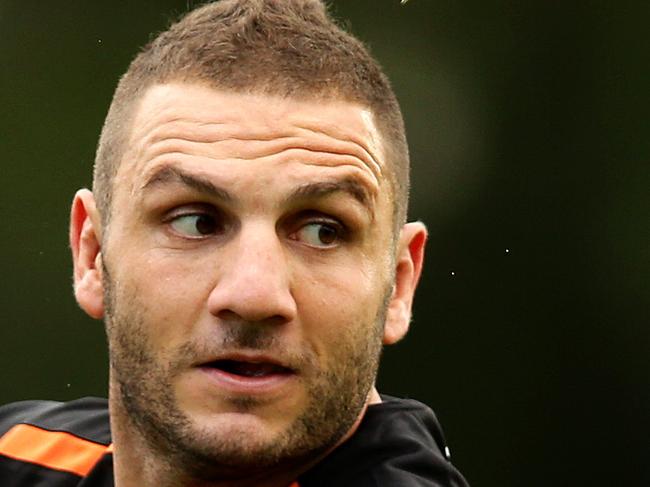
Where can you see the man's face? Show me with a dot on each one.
(247, 271)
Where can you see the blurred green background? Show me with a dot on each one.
(529, 129)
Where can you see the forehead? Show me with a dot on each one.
(237, 126)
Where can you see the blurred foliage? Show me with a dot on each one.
(530, 141)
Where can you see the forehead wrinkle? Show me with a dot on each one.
(185, 147)
(365, 153)
(208, 131)
(189, 129)
(288, 148)
(293, 135)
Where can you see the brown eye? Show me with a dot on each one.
(195, 225)
(319, 234)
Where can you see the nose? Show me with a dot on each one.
(254, 282)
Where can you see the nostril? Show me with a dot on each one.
(228, 316)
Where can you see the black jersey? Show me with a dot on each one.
(399, 443)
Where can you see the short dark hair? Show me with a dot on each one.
(289, 48)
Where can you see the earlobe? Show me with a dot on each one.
(408, 267)
(85, 243)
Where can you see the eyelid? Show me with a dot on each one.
(191, 209)
(311, 216)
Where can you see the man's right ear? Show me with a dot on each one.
(85, 242)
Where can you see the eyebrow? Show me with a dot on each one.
(325, 188)
(172, 175)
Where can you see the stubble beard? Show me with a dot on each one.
(144, 391)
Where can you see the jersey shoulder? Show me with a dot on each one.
(86, 418)
(54, 444)
(399, 442)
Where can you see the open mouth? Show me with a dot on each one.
(249, 369)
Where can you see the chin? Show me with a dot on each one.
(240, 428)
(226, 444)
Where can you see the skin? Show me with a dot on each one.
(253, 228)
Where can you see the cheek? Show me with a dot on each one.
(337, 305)
(171, 295)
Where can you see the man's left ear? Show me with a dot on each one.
(408, 267)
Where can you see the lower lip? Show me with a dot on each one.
(239, 384)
